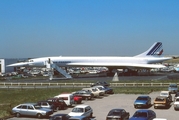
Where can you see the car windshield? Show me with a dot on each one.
(142, 98)
(164, 93)
(77, 110)
(159, 99)
(114, 113)
(173, 85)
(140, 114)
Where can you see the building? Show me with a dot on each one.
(7, 61)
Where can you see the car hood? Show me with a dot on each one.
(75, 114)
(137, 118)
(113, 116)
(140, 102)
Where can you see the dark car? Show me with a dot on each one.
(176, 95)
(117, 114)
(142, 101)
(103, 83)
(80, 118)
(60, 117)
(58, 103)
(143, 115)
(86, 95)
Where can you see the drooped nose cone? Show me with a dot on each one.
(18, 64)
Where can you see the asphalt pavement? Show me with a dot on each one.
(101, 106)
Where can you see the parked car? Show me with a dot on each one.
(94, 91)
(142, 101)
(176, 103)
(173, 88)
(117, 114)
(46, 104)
(166, 94)
(103, 83)
(143, 115)
(161, 101)
(60, 117)
(82, 110)
(77, 99)
(80, 118)
(86, 95)
(31, 109)
(100, 89)
(68, 98)
(106, 89)
(58, 103)
(176, 95)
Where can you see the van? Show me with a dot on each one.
(68, 98)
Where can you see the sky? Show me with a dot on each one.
(39, 28)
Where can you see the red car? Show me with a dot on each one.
(58, 103)
(77, 99)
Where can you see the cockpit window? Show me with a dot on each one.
(30, 61)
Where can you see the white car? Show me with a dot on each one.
(94, 91)
(166, 94)
(100, 89)
(82, 110)
(176, 103)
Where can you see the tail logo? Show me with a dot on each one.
(156, 50)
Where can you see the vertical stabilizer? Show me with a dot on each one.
(155, 50)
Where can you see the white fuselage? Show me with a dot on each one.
(96, 61)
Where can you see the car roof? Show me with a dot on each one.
(143, 96)
(143, 110)
(117, 109)
(29, 104)
(62, 114)
(161, 97)
(164, 92)
(78, 117)
(82, 106)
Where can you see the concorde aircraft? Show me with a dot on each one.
(147, 60)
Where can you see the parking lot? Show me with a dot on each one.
(101, 107)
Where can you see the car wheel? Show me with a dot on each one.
(39, 115)
(64, 107)
(18, 114)
(57, 108)
(91, 115)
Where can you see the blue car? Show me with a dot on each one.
(173, 88)
(143, 115)
(142, 101)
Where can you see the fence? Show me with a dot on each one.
(59, 85)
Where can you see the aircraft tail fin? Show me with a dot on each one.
(155, 50)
